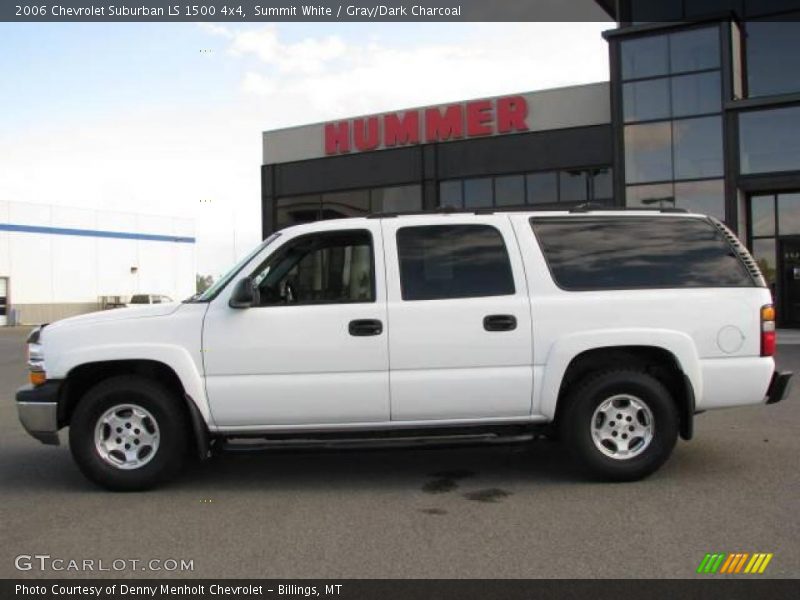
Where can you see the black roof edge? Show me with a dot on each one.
(581, 208)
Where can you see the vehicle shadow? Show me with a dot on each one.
(430, 470)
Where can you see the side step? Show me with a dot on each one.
(256, 444)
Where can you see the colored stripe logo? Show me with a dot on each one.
(735, 563)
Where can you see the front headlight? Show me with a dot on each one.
(36, 369)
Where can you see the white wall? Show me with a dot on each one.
(46, 268)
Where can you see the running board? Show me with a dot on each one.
(252, 445)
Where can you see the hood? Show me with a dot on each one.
(118, 314)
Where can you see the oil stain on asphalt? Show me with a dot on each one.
(447, 481)
(487, 495)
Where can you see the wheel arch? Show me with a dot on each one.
(82, 377)
(671, 359)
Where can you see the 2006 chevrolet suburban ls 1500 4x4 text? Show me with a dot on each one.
(608, 329)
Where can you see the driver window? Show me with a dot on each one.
(322, 268)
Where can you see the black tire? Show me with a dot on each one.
(166, 411)
(576, 423)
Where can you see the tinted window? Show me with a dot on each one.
(296, 210)
(694, 49)
(704, 197)
(773, 57)
(596, 253)
(450, 194)
(698, 147)
(646, 100)
(542, 188)
(453, 261)
(648, 152)
(696, 94)
(477, 193)
(345, 204)
(405, 198)
(770, 140)
(645, 57)
(573, 186)
(140, 299)
(325, 268)
(509, 191)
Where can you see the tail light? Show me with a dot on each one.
(767, 330)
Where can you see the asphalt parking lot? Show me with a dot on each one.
(488, 512)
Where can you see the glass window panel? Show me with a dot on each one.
(644, 57)
(762, 215)
(325, 268)
(773, 57)
(339, 205)
(453, 261)
(646, 100)
(542, 188)
(405, 198)
(789, 214)
(696, 94)
(764, 253)
(648, 152)
(596, 253)
(603, 184)
(574, 186)
(704, 197)
(509, 191)
(650, 196)
(769, 140)
(477, 192)
(296, 210)
(694, 50)
(450, 194)
(698, 147)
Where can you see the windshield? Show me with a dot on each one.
(211, 292)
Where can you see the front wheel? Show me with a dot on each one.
(621, 425)
(128, 433)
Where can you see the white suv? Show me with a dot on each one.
(608, 329)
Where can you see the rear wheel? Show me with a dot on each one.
(621, 425)
(128, 433)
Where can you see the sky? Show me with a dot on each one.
(167, 118)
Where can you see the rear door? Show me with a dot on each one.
(459, 314)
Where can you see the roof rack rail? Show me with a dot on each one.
(490, 210)
(594, 206)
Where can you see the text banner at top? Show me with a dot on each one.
(254, 11)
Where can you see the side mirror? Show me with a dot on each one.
(244, 294)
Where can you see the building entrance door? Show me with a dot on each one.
(789, 265)
(3, 301)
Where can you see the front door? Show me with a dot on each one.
(460, 337)
(789, 263)
(314, 350)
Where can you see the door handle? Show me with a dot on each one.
(500, 323)
(364, 327)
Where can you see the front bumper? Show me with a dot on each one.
(38, 411)
(779, 386)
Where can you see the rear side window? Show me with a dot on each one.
(606, 253)
(453, 261)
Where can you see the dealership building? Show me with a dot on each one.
(58, 261)
(702, 112)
